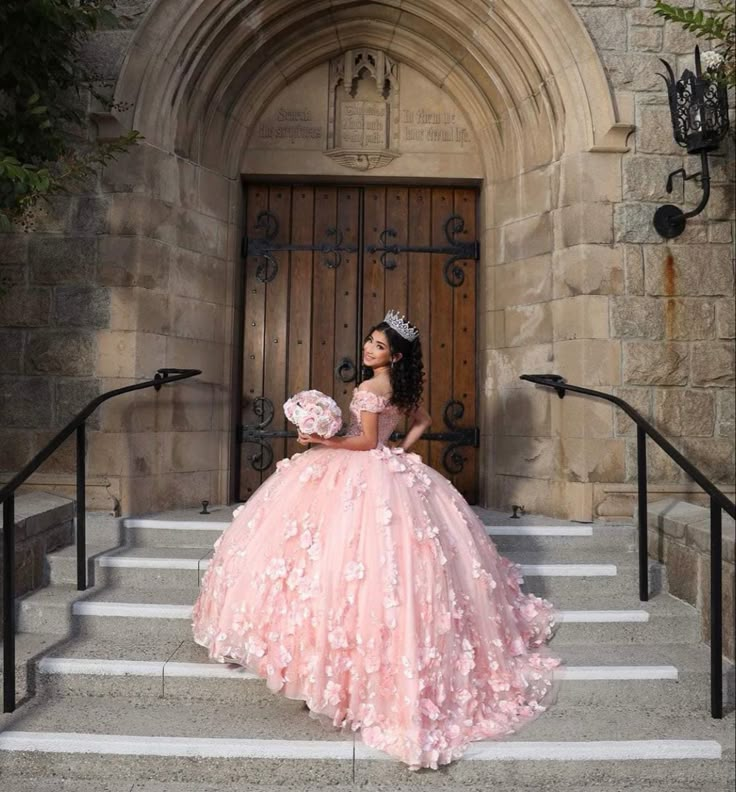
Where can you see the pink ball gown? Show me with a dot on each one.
(363, 583)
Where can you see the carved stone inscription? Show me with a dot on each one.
(427, 126)
(363, 110)
(290, 124)
(363, 113)
(363, 125)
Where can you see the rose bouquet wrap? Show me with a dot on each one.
(314, 412)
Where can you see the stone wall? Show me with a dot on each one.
(43, 523)
(679, 536)
(137, 272)
(674, 312)
(582, 285)
(164, 263)
(111, 285)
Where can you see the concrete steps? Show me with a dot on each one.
(116, 610)
(564, 574)
(105, 785)
(282, 745)
(176, 566)
(191, 529)
(86, 666)
(116, 689)
(186, 673)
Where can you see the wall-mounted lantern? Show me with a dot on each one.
(699, 107)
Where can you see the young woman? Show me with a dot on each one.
(358, 580)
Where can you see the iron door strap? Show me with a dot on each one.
(265, 248)
(454, 249)
(456, 436)
(256, 433)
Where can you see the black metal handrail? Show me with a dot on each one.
(163, 376)
(718, 502)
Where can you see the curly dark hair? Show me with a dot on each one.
(407, 374)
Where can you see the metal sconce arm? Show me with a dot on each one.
(670, 220)
(699, 110)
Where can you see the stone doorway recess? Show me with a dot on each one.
(324, 262)
(513, 95)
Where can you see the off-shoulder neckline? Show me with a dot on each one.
(376, 395)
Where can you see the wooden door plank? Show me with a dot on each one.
(346, 294)
(464, 354)
(441, 307)
(374, 224)
(254, 305)
(418, 292)
(300, 299)
(396, 280)
(276, 340)
(323, 315)
(397, 219)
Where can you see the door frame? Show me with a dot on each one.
(237, 384)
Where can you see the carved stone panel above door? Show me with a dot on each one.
(363, 121)
(363, 110)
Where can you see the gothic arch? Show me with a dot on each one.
(199, 75)
(525, 71)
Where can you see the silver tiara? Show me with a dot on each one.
(398, 322)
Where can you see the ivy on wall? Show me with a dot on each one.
(45, 84)
(717, 25)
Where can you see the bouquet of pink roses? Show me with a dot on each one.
(314, 412)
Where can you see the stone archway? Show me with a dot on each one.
(524, 66)
(548, 138)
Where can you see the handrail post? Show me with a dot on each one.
(9, 604)
(81, 509)
(641, 474)
(716, 634)
(7, 500)
(718, 502)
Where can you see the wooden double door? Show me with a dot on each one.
(322, 264)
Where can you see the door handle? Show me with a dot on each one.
(345, 370)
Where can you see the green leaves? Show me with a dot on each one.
(44, 88)
(695, 21)
(107, 19)
(713, 24)
(717, 26)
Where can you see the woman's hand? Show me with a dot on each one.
(315, 439)
(421, 420)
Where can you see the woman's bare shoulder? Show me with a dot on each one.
(376, 388)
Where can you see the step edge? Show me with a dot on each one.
(482, 750)
(113, 667)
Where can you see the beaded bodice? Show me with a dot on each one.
(388, 414)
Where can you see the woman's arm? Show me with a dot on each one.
(362, 442)
(421, 421)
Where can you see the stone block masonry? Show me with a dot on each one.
(679, 536)
(674, 317)
(140, 270)
(43, 523)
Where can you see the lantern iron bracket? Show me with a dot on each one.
(670, 220)
(699, 110)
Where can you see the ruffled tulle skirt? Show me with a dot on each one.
(364, 584)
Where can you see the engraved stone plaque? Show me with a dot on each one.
(361, 111)
(363, 129)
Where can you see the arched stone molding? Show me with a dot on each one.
(525, 71)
